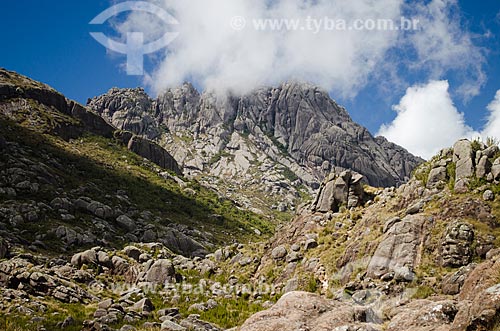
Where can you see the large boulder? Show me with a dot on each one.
(463, 156)
(480, 299)
(483, 167)
(396, 255)
(495, 169)
(306, 311)
(154, 153)
(279, 253)
(436, 176)
(162, 271)
(88, 257)
(100, 210)
(344, 189)
(182, 244)
(456, 245)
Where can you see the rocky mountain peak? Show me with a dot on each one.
(290, 135)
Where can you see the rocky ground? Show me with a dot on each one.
(101, 230)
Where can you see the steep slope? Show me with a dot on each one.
(422, 257)
(68, 179)
(262, 145)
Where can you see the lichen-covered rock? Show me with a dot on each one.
(397, 252)
(279, 253)
(161, 272)
(456, 245)
(344, 189)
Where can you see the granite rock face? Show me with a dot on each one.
(296, 122)
(456, 245)
(397, 254)
(124, 109)
(275, 142)
(345, 189)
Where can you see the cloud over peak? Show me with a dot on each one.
(211, 53)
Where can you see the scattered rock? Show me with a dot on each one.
(171, 326)
(488, 195)
(132, 252)
(310, 244)
(279, 253)
(88, 257)
(126, 223)
(161, 272)
(143, 306)
(456, 246)
(415, 209)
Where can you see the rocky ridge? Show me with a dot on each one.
(423, 256)
(270, 144)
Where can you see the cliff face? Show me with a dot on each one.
(274, 137)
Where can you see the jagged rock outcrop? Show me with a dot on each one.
(125, 110)
(22, 99)
(344, 189)
(295, 125)
(473, 160)
(396, 256)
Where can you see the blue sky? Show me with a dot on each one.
(49, 41)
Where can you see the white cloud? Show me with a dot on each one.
(442, 45)
(492, 128)
(211, 54)
(427, 120)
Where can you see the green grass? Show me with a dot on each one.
(217, 157)
(423, 292)
(451, 170)
(289, 174)
(104, 166)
